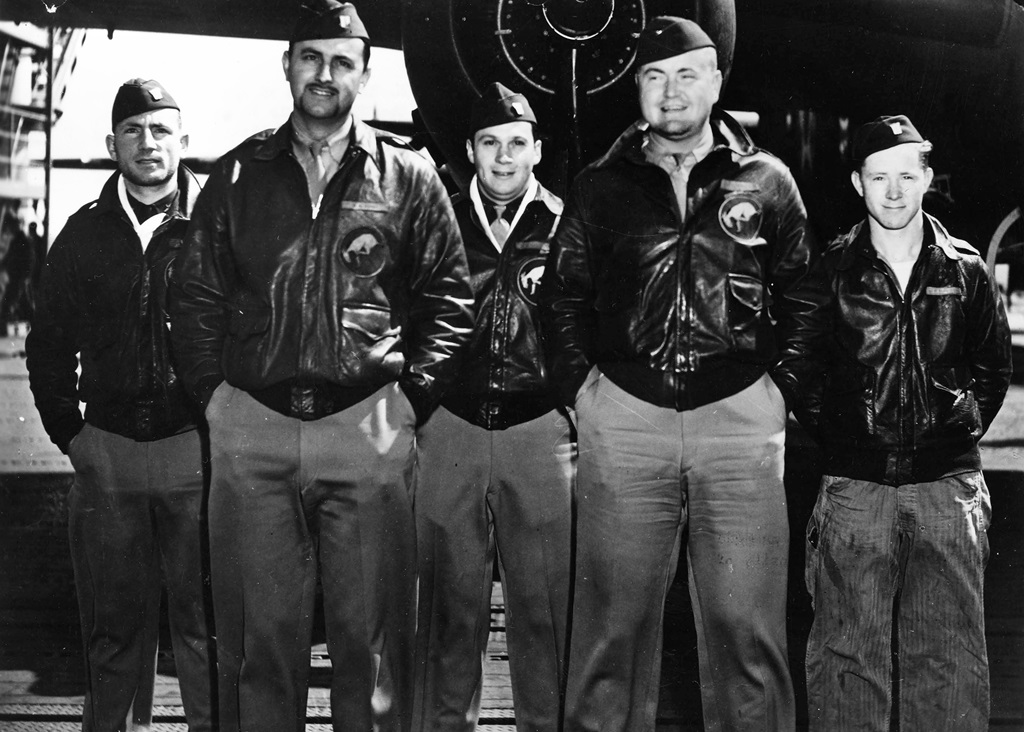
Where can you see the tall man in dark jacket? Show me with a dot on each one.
(136, 501)
(496, 460)
(683, 300)
(322, 294)
(919, 363)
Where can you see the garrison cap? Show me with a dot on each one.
(137, 96)
(498, 105)
(666, 36)
(321, 19)
(881, 134)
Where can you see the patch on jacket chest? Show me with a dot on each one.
(740, 217)
(363, 252)
(528, 278)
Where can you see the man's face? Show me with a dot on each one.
(892, 184)
(148, 147)
(504, 156)
(677, 93)
(325, 76)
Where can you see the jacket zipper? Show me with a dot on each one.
(903, 318)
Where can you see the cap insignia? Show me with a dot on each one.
(896, 127)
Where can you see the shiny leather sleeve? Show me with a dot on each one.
(51, 347)
(567, 297)
(198, 299)
(807, 409)
(988, 345)
(799, 295)
(440, 319)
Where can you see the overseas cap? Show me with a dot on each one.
(320, 19)
(498, 105)
(667, 36)
(137, 96)
(881, 134)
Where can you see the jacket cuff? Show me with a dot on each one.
(423, 404)
(787, 388)
(66, 432)
(204, 389)
(569, 387)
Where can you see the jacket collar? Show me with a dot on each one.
(857, 242)
(728, 135)
(541, 197)
(188, 190)
(280, 142)
(552, 202)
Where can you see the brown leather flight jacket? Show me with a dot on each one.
(682, 312)
(373, 289)
(911, 381)
(105, 300)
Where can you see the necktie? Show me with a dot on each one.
(680, 175)
(500, 227)
(320, 152)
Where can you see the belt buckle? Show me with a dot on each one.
(303, 401)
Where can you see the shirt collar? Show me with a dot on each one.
(282, 140)
(532, 192)
(337, 141)
(656, 148)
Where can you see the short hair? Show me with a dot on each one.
(924, 153)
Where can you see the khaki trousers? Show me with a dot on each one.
(291, 501)
(644, 475)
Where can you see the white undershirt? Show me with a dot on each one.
(902, 271)
(478, 206)
(144, 229)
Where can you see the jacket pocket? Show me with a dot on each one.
(243, 323)
(369, 347)
(246, 342)
(746, 306)
(107, 354)
(848, 405)
(951, 400)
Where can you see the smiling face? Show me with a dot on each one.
(892, 183)
(504, 157)
(148, 148)
(677, 93)
(325, 76)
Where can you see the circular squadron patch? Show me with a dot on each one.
(740, 217)
(363, 252)
(528, 278)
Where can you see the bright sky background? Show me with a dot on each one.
(228, 88)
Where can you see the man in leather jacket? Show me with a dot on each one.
(683, 302)
(496, 459)
(136, 503)
(322, 295)
(918, 365)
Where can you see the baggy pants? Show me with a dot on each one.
(645, 473)
(291, 500)
(924, 546)
(479, 491)
(135, 519)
